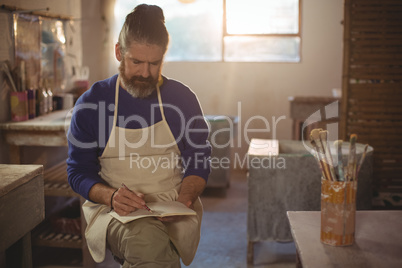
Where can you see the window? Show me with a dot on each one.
(227, 30)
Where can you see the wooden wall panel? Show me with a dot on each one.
(372, 87)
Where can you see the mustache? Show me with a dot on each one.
(139, 78)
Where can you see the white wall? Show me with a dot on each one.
(263, 88)
(98, 46)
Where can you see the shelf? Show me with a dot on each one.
(51, 239)
(45, 236)
(53, 257)
(59, 189)
(56, 183)
(67, 242)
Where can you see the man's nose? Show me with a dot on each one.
(145, 72)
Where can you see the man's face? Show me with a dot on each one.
(140, 68)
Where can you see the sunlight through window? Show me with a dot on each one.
(255, 30)
(262, 16)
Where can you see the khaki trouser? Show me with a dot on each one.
(142, 243)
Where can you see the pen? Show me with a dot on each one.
(145, 205)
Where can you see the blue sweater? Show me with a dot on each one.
(92, 122)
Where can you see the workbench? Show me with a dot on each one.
(46, 130)
(49, 130)
(378, 241)
(22, 208)
(284, 176)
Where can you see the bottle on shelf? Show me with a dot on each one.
(49, 92)
(42, 99)
(44, 104)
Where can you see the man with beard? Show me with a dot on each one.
(146, 132)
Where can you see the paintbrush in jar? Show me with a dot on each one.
(361, 160)
(327, 153)
(315, 136)
(318, 158)
(351, 168)
(338, 147)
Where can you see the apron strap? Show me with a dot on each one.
(116, 100)
(160, 102)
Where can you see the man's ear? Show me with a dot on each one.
(117, 51)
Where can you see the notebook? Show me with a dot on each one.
(159, 209)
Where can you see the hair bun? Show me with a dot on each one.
(145, 24)
(149, 11)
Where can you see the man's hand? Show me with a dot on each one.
(191, 189)
(126, 201)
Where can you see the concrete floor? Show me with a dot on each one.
(224, 233)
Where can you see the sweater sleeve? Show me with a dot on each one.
(193, 132)
(82, 163)
(196, 150)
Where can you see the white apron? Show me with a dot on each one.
(147, 160)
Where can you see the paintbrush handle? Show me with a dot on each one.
(327, 153)
(316, 155)
(361, 160)
(320, 152)
(10, 78)
(351, 168)
(338, 146)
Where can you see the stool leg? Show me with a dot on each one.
(20, 253)
(298, 262)
(250, 252)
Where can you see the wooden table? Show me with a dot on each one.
(378, 241)
(47, 130)
(283, 176)
(22, 208)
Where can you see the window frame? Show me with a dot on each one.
(225, 49)
(226, 34)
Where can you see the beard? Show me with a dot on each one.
(137, 86)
